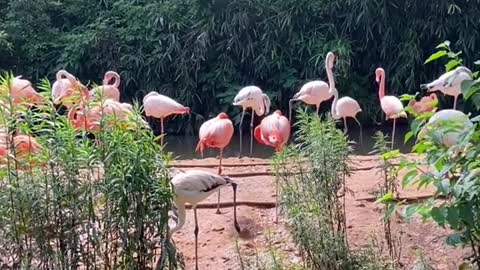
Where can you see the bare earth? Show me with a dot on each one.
(218, 238)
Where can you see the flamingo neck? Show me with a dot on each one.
(331, 80)
(115, 77)
(334, 104)
(181, 218)
(381, 88)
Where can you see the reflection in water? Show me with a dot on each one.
(183, 147)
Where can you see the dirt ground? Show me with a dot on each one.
(219, 242)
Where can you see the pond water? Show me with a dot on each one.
(183, 147)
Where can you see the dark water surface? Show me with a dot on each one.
(183, 147)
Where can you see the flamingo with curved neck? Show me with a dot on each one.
(391, 105)
(346, 106)
(107, 90)
(315, 92)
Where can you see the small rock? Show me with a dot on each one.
(249, 245)
(225, 259)
(360, 205)
(219, 229)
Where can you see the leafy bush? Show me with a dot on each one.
(79, 203)
(314, 197)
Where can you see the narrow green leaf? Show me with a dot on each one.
(436, 56)
(451, 64)
(388, 197)
(410, 211)
(408, 136)
(409, 177)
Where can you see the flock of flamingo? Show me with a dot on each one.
(87, 108)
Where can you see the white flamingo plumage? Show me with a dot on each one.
(251, 97)
(194, 186)
(448, 138)
(160, 106)
(450, 83)
(315, 92)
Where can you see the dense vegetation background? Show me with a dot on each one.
(202, 51)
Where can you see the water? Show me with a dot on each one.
(183, 147)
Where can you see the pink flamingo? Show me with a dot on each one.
(426, 104)
(216, 133)
(160, 106)
(274, 130)
(22, 92)
(24, 146)
(68, 90)
(391, 105)
(315, 92)
(346, 106)
(251, 97)
(108, 91)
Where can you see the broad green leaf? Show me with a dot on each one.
(388, 197)
(410, 211)
(408, 136)
(443, 45)
(390, 210)
(477, 62)
(467, 89)
(391, 154)
(436, 56)
(455, 239)
(453, 217)
(439, 214)
(451, 64)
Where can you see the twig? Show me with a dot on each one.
(263, 205)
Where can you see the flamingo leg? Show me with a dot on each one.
(219, 173)
(361, 132)
(290, 105)
(240, 129)
(345, 127)
(455, 102)
(196, 237)
(318, 108)
(235, 223)
(393, 132)
(162, 130)
(251, 132)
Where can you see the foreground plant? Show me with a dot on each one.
(79, 202)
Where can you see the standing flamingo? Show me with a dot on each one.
(274, 130)
(68, 90)
(160, 106)
(194, 186)
(344, 107)
(315, 92)
(450, 83)
(108, 91)
(251, 97)
(391, 105)
(216, 133)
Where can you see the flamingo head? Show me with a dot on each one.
(109, 75)
(331, 59)
(278, 112)
(222, 115)
(379, 73)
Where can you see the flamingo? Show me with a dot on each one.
(426, 104)
(160, 106)
(274, 130)
(450, 137)
(108, 91)
(24, 146)
(251, 97)
(216, 133)
(344, 107)
(68, 90)
(450, 83)
(315, 92)
(194, 186)
(391, 105)
(22, 92)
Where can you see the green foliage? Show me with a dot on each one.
(79, 203)
(314, 197)
(452, 170)
(202, 51)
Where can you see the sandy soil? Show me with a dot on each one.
(218, 238)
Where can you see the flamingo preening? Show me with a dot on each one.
(425, 104)
(450, 83)
(107, 90)
(68, 91)
(344, 107)
(160, 106)
(194, 186)
(391, 105)
(315, 92)
(274, 130)
(216, 133)
(251, 97)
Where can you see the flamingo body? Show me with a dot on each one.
(426, 104)
(274, 130)
(253, 97)
(451, 137)
(215, 133)
(160, 106)
(23, 92)
(68, 91)
(392, 107)
(109, 91)
(313, 93)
